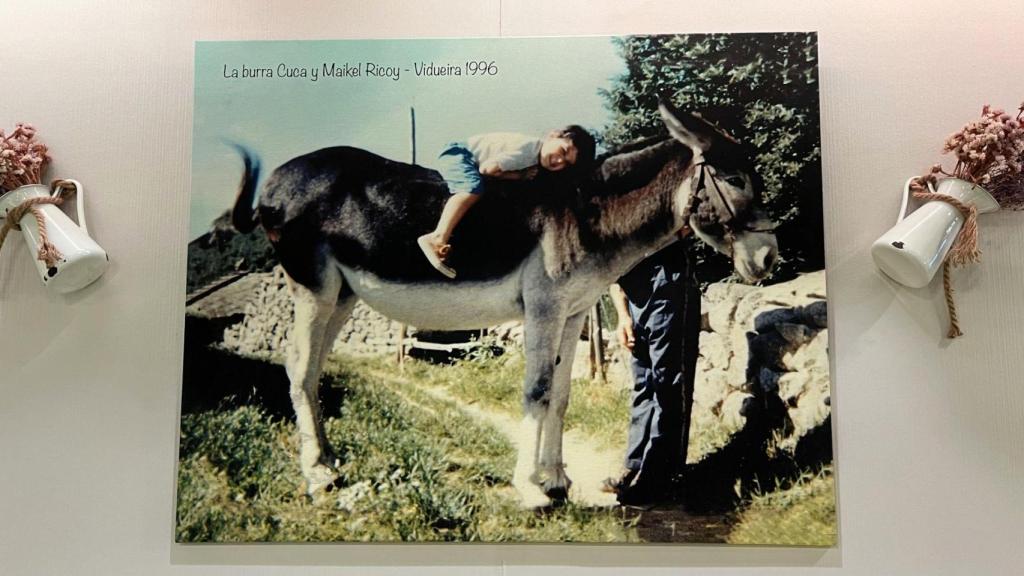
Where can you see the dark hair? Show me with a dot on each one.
(584, 142)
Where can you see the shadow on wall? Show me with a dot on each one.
(753, 458)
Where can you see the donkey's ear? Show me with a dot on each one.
(692, 131)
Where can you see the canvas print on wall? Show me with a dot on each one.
(507, 290)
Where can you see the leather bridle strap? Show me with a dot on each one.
(700, 191)
(702, 185)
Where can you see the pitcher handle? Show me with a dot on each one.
(906, 198)
(79, 202)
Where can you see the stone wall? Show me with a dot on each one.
(269, 316)
(764, 342)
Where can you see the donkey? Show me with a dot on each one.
(344, 224)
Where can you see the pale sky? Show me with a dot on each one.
(540, 84)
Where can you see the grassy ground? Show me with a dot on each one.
(599, 410)
(801, 515)
(415, 469)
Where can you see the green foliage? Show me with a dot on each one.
(761, 88)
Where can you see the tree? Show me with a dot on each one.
(763, 89)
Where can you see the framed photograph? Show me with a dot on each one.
(507, 290)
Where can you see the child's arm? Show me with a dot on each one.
(493, 169)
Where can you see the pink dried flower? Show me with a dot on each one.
(25, 129)
(987, 148)
(1004, 175)
(22, 158)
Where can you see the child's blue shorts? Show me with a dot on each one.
(460, 170)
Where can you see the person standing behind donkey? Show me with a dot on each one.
(658, 304)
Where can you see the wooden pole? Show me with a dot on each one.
(598, 336)
(412, 120)
(590, 344)
(402, 328)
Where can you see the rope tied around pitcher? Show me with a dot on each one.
(965, 248)
(48, 253)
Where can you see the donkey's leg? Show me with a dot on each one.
(346, 302)
(556, 484)
(542, 333)
(314, 308)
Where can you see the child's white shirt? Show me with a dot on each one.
(512, 151)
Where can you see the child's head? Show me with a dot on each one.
(569, 146)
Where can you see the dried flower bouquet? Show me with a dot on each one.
(990, 153)
(22, 158)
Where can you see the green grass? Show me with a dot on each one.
(801, 515)
(597, 409)
(415, 469)
(708, 433)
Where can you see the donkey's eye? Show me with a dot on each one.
(736, 181)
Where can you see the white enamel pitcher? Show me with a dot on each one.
(82, 260)
(913, 250)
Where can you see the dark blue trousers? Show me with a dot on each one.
(664, 301)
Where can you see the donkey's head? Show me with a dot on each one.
(720, 200)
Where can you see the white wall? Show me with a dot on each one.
(929, 433)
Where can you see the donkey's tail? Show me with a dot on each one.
(243, 217)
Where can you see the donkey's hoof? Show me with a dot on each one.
(557, 493)
(557, 487)
(321, 478)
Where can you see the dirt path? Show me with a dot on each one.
(586, 463)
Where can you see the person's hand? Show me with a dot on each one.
(625, 333)
(490, 168)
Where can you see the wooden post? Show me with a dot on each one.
(412, 120)
(590, 344)
(598, 337)
(401, 346)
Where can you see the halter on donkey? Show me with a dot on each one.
(344, 224)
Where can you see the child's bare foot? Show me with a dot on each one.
(436, 253)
